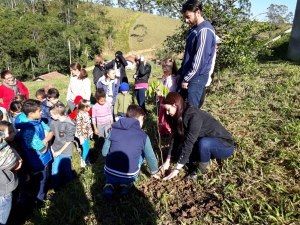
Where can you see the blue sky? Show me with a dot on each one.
(260, 6)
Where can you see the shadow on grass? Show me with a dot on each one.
(132, 209)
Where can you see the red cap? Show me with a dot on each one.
(77, 99)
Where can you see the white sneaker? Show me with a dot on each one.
(82, 163)
(87, 163)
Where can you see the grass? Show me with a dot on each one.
(259, 184)
(157, 28)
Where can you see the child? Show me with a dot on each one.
(110, 87)
(169, 69)
(123, 149)
(64, 129)
(84, 130)
(73, 114)
(10, 162)
(123, 100)
(99, 69)
(101, 117)
(40, 94)
(52, 97)
(15, 108)
(20, 98)
(34, 136)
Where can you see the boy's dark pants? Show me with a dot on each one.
(41, 182)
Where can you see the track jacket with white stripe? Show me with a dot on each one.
(199, 52)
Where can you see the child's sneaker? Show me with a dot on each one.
(108, 191)
(126, 188)
(82, 163)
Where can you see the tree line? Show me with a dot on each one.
(40, 36)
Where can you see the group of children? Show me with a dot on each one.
(46, 134)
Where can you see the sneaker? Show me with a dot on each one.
(126, 188)
(108, 191)
(87, 163)
(82, 163)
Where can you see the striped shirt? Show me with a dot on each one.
(199, 51)
(101, 114)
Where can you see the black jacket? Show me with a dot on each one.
(196, 125)
(143, 73)
(98, 72)
(123, 63)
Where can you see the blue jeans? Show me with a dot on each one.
(61, 170)
(195, 89)
(212, 148)
(141, 97)
(86, 149)
(41, 181)
(5, 207)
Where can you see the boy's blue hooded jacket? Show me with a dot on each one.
(32, 134)
(123, 149)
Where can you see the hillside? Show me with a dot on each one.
(154, 28)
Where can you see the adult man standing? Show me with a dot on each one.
(199, 52)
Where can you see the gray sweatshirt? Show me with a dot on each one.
(64, 131)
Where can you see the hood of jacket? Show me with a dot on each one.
(126, 124)
(22, 121)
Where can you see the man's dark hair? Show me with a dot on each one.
(191, 5)
(30, 105)
(53, 93)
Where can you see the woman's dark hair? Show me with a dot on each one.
(83, 74)
(4, 73)
(175, 122)
(1, 115)
(77, 66)
(134, 111)
(15, 107)
(192, 6)
(100, 93)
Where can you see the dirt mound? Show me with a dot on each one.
(184, 201)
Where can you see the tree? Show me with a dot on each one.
(142, 5)
(279, 14)
(110, 34)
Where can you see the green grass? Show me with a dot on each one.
(157, 28)
(259, 184)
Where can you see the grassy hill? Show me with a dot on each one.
(124, 21)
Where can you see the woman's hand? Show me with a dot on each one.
(171, 175)
(96, 132)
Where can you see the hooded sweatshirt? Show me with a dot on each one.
(111, 89)
(122, 156)
(31, 135)
(64, 131)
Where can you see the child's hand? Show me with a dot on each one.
(134, 76)
(55, 154)
(156, 176)
(18, 165)
(117, 118)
